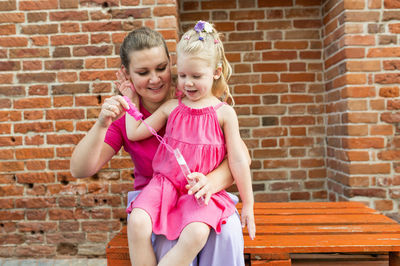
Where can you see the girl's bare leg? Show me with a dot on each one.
(140, 228)
(192, 239)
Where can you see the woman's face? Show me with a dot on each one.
(150, 73)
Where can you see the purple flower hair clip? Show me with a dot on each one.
(202, 26)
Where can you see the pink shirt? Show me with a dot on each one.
(142, 152)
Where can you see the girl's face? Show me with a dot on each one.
(195, 77)
(150, 73)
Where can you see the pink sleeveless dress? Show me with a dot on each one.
(199, 137)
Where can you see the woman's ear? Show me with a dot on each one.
(125, 71)
(218, 72)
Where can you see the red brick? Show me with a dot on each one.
(34, 153)
(36, 77)
(279, 55)
(270, 132)
(383, 130)
(69, 39)
(383, 205)
(272, 197)
(384, 52)
(362, 117)
(363, 143)
(245, 15)
(296, 98)
(93, 50)
(356, 155)
(64, 139)
(93, 75)
(391, 4)
(38, 5)
(298, 120)
(393, 105)
(389, 92)
(121, 163)
(274, 3)
(391, 155)
(383, 168)
(391, 64)
(390, 117)
(358, 92)
(33, 115)
(8, 5)
(296, 142)
(36, 165)
(14, 190)
(354, 4)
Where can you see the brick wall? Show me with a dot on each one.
(275, 48)
(315, 84)
(57, 61)
(361, 73)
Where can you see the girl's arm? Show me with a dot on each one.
(215, 181)
(238, 163)
(137, 130)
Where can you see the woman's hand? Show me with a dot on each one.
(125, 86)
(247, 219)
(111, 110)
(201, 187)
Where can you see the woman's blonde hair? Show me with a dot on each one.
(205, 41)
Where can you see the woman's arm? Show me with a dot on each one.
(92, 153)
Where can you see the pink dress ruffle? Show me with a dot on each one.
(198, 135)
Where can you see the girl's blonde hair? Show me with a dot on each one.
(205, 41)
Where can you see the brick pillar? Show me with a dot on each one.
(361, 74)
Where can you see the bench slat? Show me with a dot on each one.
(322, 243)
(306, 205)
(288, 211)
(323, 219)
(327, 229)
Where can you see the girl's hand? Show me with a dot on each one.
(125, 86)
(111, 110)
(202, 187)
(248, 219)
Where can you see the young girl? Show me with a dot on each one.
(204, 129)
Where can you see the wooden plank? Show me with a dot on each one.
(331, 211)
(322, 243)
(323, 219)
(326, 229)
(306, 205)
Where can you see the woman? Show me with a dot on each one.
(146, 66)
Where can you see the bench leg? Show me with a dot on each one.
(394, 258)
(271, 263)
(281, 259)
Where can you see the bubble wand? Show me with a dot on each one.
(133, 111)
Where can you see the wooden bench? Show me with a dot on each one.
(304, 227)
